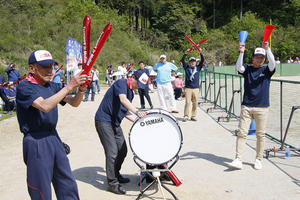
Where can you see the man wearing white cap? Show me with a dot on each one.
(163, 80)
(192, 71)
(43, 150)
(255, 103)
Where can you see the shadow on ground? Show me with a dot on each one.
(96, 177)
(210, 157)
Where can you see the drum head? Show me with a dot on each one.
(156, 138)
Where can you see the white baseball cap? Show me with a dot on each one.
(42, 57)
(162, 56)
(259, 52)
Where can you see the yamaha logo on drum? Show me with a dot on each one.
(152, 121)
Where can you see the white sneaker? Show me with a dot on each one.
(236, 163)
(257, 164)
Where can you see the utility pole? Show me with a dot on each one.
(214, 23)
(241, 14)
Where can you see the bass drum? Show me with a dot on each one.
(156, 138)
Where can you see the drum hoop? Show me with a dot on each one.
(179, 132)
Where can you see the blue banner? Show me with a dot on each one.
(74, 56)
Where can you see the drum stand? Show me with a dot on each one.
(155, 178)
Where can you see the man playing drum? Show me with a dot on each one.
(116, 105)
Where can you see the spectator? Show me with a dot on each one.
(122, 68)
(12, 73)
(96, 78)
(79, 68)
(163, 81)
(91, 87)
(277, 61)
(290, 60)
(255, 103)
(109, 72)
(56, 75)
(191, 85)
(10, 93)
(142, 76)
(3, 95)
(178, 86)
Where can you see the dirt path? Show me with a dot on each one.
(206, 148)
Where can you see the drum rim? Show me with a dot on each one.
(171, 119)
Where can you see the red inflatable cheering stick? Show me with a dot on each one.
(191, 41)
(14, 83)
(198, 44)
(86, 40)
(59, 69)
(268, 31)
(100, 42)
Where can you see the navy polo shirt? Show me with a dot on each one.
(188, 72)
(256, 86)
(111, 110)
(32, 120)
(13, 75)
(138, 74)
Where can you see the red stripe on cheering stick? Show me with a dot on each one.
(198, 44)
(191, 41)
(86, 40)
(96, 50)
(59, 69)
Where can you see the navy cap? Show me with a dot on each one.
(42, 57)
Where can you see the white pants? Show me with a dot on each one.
(164, 90)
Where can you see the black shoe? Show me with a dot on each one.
(193, 119)
(121, 179)
(142, 107)
(151, 107)
(117, 189)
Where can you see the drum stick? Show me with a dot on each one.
(160, 188)
(191, 41)
(173, 177)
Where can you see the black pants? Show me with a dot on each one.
(9, 106)
(142, 93)
(177, 92)
(115, 149)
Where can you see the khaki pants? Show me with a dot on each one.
(191, 94)
(260, 115)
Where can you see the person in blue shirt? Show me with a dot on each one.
(142, 76)
(12, 73)
(116, 104)
(10, 93)
(255, 105)
(57, 76)
(3, 95)
(164, 85)
(192, 71)
(37, 113)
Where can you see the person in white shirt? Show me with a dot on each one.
(96, 78)
(122, 68)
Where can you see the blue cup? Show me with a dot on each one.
(243, 36)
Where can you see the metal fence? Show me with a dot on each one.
(225, 91)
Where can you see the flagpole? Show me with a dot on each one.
(271, 36)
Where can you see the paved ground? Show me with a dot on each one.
(202, 169)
